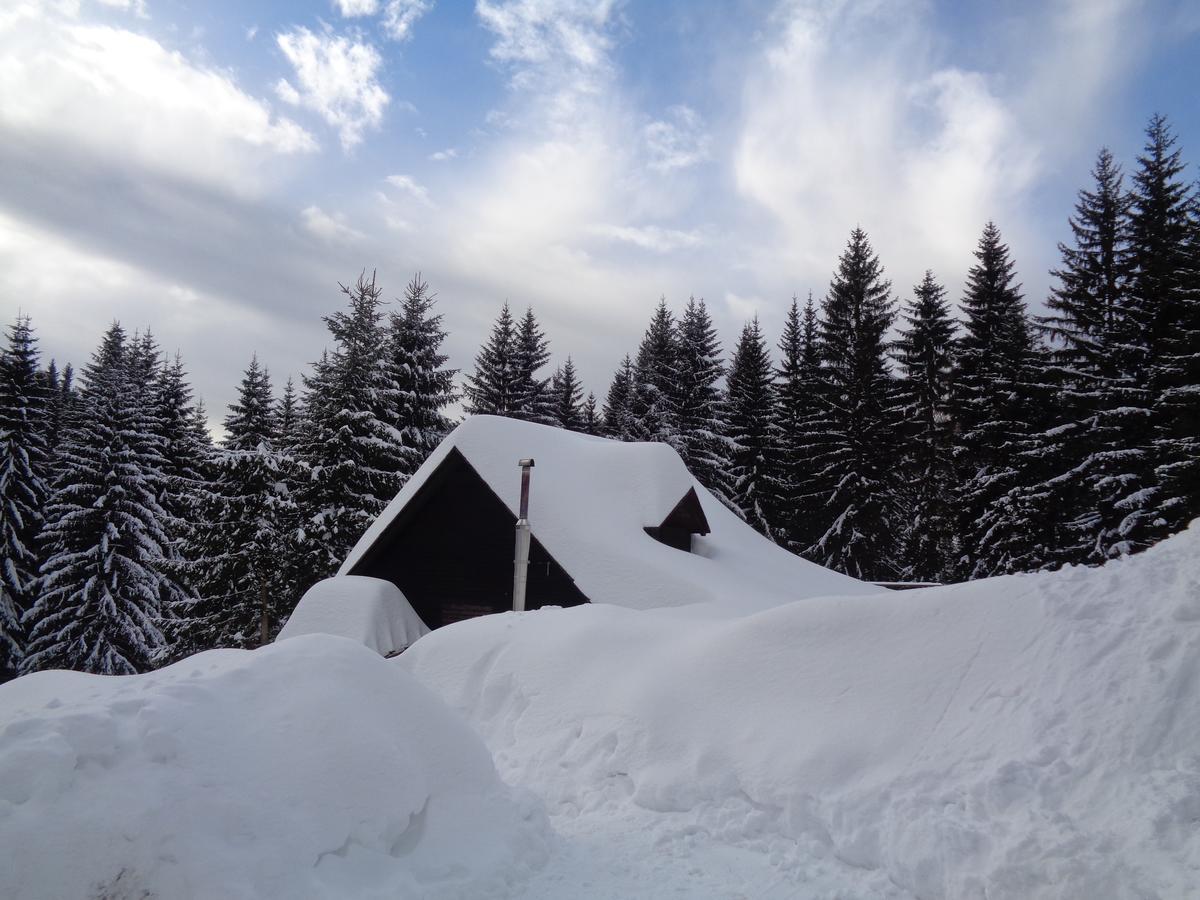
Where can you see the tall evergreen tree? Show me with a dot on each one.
(566, 394)
(421, 386)
(532, 351)
(494, 386)
(347, 449)
(924, 352)
(618, 406)
(994, 407)
(1097, 435)
(797, 491)
(247, 519)
(855, 426)
(24, 469)
(700, 436)
(591, 418)
(288, 417)
(653, 403)
(101, 584)
(750, 428)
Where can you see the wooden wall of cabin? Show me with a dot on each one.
(452, 556)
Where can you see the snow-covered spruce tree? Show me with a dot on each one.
(700, 436)
(856, 456)
(1177, 399)
(797, 491)
(421, 387)
(924, 352)
(591, 418)
(1100, 424)
(493, 387)
(24, 469)
(532, 351)
(59, 388)
(750, 429)
(346, 448)
(247, 517)
(1154, 304)
(995, 380)
(101, 585)
(288, 418)
(566, 396)
(618, 405)
(654, 389)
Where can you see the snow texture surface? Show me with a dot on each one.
(1031, 736)
(371, 611)
(591, 498)
(308, 768)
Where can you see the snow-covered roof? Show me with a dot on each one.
(371, 611)
(591, 499)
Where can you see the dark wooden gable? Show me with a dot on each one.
(450, 550)
(686, 519)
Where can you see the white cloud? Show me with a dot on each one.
(398, 18)
(677, 142)
(651, 237)
(409, 186)
(251, 32)
(110, 94)
(137, 7)
(443, 155)
(354, 8)
(331, 228)
(337, 79)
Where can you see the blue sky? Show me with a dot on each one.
(213, 169)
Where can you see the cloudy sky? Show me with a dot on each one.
(213, 168)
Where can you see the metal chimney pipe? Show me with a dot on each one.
(521, 560)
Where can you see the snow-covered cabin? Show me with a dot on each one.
(612, 522)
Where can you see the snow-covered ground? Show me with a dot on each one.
(1025, 737)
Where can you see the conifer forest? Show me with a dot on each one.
(891, 432)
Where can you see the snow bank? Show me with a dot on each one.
(1021, 737)
(371, 611)
(590, 500)
(310, 768)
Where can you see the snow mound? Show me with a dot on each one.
(309, 768)
(591, 498)
(371, 611)
(1020, 737)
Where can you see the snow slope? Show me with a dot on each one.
(590, 499)
(371, 611)
(1021, 737)
(309, 768)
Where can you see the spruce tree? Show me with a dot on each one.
(531, 401)
(591, 418)
(247, 518)
(700, 435)
(618, 405)
(493, 388)
(750, 429)
(347, 449)
(654, 391)
(1098, 432)
(421, 387)
(994, 406)
(566, 395)
(855, 426)
(288, 417)
(797, 491)
(924, 353)
(24, 468)
(101, 584)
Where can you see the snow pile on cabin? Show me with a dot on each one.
(591, 499)
(1020, 737)
(368, 610)
(309, 768)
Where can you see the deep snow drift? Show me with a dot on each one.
(1028, 736)
(310, 768)
(371, 611)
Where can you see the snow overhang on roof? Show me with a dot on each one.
(592, 499)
